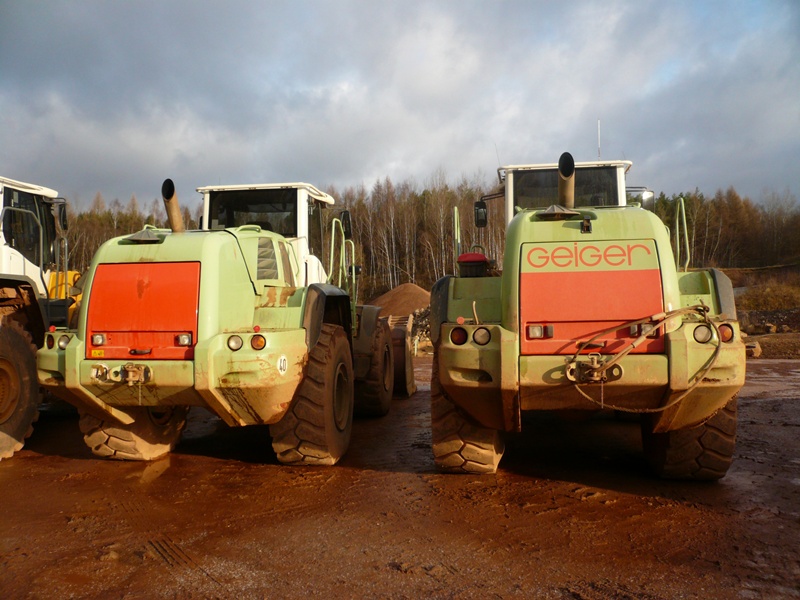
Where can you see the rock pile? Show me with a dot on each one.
(769, 321)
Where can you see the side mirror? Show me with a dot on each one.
(62, 216)
(644, 196)
(481, 214)
(346, 225)
(649, 201)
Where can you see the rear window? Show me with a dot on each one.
(273, 209)
(594, 186)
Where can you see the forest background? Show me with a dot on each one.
(404, 233)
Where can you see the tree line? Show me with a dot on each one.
(405, 233)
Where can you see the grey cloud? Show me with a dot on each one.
(112, 97)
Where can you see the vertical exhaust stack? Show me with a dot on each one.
(566, 180)
(174, 215)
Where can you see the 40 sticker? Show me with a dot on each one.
(283, 364)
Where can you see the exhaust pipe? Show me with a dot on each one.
(566, 180)
(174, 216)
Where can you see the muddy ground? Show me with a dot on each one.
(572, 513)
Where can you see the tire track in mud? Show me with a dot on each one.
(399, 442)
(143, 517)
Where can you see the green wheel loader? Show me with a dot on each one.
(589, 312)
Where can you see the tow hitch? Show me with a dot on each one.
(130, 373)
(593, 370)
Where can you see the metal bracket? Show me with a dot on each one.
(136, 374)
(591, 371)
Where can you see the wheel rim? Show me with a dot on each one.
(341, 401)
(387, 368)
(9, 390)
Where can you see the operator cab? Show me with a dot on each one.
(597, 183)
(28, 221)
(292, 210)
(31, 247)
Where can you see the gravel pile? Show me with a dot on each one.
(402, 300)
(409, 299)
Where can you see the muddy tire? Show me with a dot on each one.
(19, 388)
(373, 395)
(316, 429)
(459, 445)
(153, 434)
(701, 453)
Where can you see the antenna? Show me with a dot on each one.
(499, 164)
(598, 139)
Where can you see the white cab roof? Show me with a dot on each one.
(312, 191)
(29, 187)
(625, 164)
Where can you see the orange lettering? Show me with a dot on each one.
(614, 255)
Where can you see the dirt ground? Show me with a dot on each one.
(778, 345)
(572, 513)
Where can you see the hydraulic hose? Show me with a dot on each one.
(660, 319)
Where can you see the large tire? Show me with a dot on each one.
(316, 429)
(701, 453)
(459, 445)
(19, 388)
(373, 395)
(153, 433)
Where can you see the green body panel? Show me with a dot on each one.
(483, 291)
(618, 223)
(494, 383)
(242, 387)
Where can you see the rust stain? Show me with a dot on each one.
(278, 297)
(286, 294)
(271, 297)
(141, 287)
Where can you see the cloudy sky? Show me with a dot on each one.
(113, 97)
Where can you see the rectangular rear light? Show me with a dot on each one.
(538, 332)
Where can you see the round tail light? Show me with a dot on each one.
(459, 336)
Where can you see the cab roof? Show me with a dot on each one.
(29, 187)
(312, 191)
(625, 164)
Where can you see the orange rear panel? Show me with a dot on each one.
(141, 308)
(584, 288)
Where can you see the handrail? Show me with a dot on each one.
(341, 271)
(352, 279)
(342, 274)
(680, 217)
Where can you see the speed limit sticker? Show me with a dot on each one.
(283, 365)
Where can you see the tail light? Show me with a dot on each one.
(481, 336)
(703, 334)
(538, 332)
(258, 342)
(726, 332)
(459, 336)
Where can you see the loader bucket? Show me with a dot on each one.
(404, 382)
